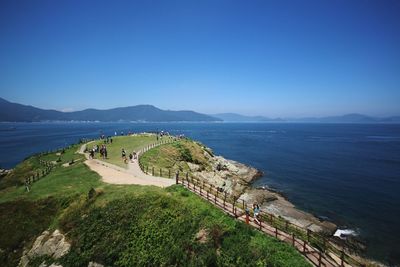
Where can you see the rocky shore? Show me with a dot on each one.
(236, 178)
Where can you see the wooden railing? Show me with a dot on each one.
(47, 167)
(319, 249)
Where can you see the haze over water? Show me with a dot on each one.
(347, 173)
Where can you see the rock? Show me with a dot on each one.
(193, 167)
(53, 245)
(202, 236)
(95, 264)
(258, 196)
(283, 208)
(43, 264)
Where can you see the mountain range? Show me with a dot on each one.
(13, 112)
(347, 118)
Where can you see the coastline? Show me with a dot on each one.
(237, 179)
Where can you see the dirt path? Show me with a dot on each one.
(113, 174)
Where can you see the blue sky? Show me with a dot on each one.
(274, 58)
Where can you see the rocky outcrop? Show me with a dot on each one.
(235, 178)
(49, 244)
(274, 203)
(228, 175)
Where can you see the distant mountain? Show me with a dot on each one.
(347, 118)
(14, 112)
(233, 117)
(394, 119)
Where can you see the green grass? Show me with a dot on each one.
(20, 222)
(158, 228)
(175, 156)
(62, 181)
(129, 143)
(125, 225)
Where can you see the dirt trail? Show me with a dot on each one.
(113, 174)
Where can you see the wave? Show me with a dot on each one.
(344, 233)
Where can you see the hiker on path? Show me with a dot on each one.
(130, 157)
(123, 154)
(256, 210)
(247, 215)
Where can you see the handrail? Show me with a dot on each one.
(316, 247)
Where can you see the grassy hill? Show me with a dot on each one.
(125, 225)
(176, 156)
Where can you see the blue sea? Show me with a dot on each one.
(349, 173)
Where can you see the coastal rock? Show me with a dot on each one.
(283, 208)
(231, 176)
(4, 172)
(53, 245)
(193, 167)
(258, 196)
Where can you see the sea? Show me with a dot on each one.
(347, 173)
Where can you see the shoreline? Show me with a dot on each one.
(237, 179)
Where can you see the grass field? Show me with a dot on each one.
(129, 143)
(125, 224)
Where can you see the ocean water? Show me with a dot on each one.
(349, 173)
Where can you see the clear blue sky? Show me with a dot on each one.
(274, 58)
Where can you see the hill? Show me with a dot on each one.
(13, 112)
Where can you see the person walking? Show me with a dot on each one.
(123, 154)
(256, 211)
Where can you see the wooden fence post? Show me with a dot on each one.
(319, 259)
(293, 239)
(224, 199)
(304, 246)
(342, 258)
(177, 177)
(160, 172)
(169, 173)
(215, 197)
(276, 232)
(244, 208)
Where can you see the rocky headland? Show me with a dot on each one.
(236, 179)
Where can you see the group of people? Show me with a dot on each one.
(103, 151)
(132, 156)
(107, 139)
(256, 213)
